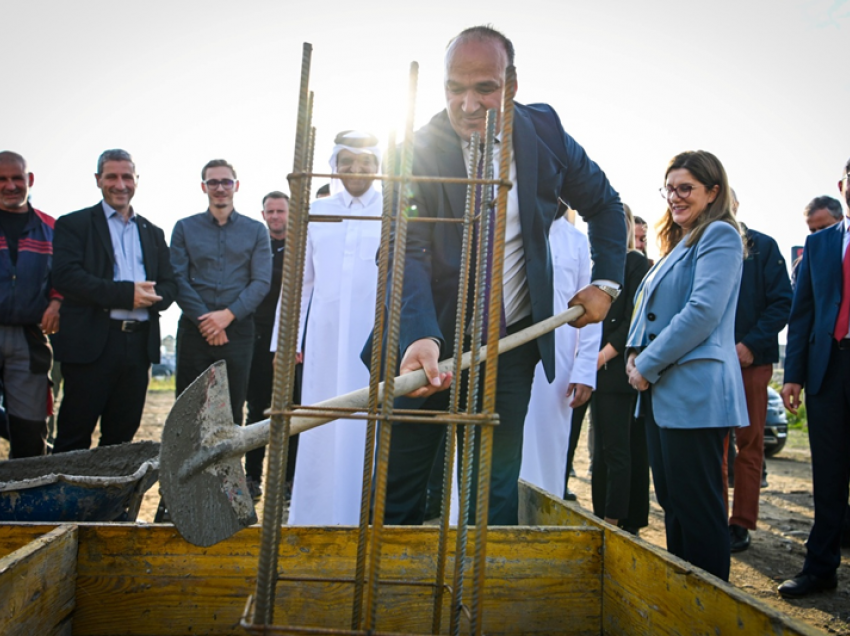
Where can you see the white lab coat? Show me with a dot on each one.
(340, 280)
(547, 424)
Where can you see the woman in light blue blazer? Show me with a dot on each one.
(681, 356)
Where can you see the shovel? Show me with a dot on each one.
(201, 476)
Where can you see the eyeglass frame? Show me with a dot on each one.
(666, 191)
(227, 184)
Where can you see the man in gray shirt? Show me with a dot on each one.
(223, 264)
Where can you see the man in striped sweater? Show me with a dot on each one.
(29, 308)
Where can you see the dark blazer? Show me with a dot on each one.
(83, 270)
(551, 166)
(612, 377)
(764, 301)
(815, 309)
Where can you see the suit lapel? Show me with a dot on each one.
(834, 258)
(102, 230)
(451, 164)
(148, 248)
(672, 258)
(525, 155)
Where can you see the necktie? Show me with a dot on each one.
(491, 211)
(842, 325)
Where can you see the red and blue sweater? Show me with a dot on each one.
(25, 286)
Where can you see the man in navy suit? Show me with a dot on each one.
(548, 166)
(817, 356)
(113, 268)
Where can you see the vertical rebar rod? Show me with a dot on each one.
(475, 371)
(454, 400)
(374, 381)
(491, 369)
(284, 365)
(391, 353)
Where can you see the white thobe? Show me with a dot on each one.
(547, 424)
(340, 280)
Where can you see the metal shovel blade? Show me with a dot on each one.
(213, 504)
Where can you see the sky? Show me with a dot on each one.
(764, 85)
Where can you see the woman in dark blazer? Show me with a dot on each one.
(612, 411)
(681, 356)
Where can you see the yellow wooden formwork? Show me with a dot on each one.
(647, 591)
(37, 581)
(563, 573)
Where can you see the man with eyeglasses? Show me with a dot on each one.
(339, 287)
(223, 264)
(817, 357)
(113, 268)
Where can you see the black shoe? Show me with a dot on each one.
(569, 495)
(254, 489)
(804, 584)
(739, 538)
(632, 530)
(764, 483)
(162, 515)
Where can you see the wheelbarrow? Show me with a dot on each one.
(102, 484)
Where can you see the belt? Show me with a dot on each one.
(129, 326)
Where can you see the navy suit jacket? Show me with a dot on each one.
(815, 309)
(764, 300)
(83, 271)
(551, 167)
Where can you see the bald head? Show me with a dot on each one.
(484, 33)
(15, 182)
(476, 61)
(7, 156)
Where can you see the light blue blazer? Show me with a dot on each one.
(684, 322)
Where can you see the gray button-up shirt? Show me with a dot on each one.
(220, 266)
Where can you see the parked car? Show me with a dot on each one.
(164, 368)
(776, 425)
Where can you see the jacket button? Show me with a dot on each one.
(650, 316)
(652, 336)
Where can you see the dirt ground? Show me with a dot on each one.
(777, 549)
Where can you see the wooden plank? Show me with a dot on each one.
(539, 580)
(37, 585)
(648, 591)
(540, 508)
(16, 535)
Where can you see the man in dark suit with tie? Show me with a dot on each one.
(113, 268)
(817, 356)
(548, 166)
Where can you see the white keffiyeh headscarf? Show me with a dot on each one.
(357, 142)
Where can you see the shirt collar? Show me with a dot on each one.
(230, 219)
(365, 199)
(109, 211)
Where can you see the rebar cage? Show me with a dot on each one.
(474, 418)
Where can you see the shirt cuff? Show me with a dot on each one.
(607, 283)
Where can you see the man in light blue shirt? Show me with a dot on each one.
(113, 268)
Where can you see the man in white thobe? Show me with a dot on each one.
(547, 424)
(337, 314)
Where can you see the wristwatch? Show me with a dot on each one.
(613, 292)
